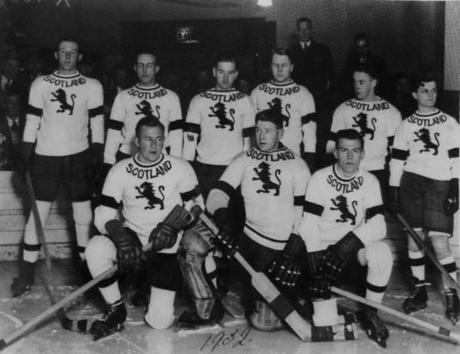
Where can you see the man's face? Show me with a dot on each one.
(146, 68)
(361, 47)
(304, 31)
(150, 142)
(364, 85)
(11, 68)
(426, 94)
(225, 73)
(349, 154)
(267, 136)
(281, 68)
(67, 56)
(12, 106)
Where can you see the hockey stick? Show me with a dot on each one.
(277, 301)
(428, 252)
(441, 330)
(4, 342)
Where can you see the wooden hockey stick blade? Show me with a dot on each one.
(277, 301)
(428, 252)
(441, 330)
(5, 341)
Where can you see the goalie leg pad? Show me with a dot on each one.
(264, 319)
(325, 312)
(160, 314)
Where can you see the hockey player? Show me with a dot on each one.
(343, 227)
(373, 117)
(147, 185)
(61, 107)
(145, 99)
(273, 180)
(219, 125)
(294, 102)
(424, 185)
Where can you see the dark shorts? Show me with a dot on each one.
(165, 272)
(382, 177)
(422, 202)
(50, 172)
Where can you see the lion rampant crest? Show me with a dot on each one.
(61, 96)
(423, 135)
(263, 174)
(219, 111)
(147, 191)
(341, 204)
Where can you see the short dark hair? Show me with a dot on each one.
(271, 115)
(225, 57)
(303, 19)
(423, 77)
(146, 51)
(367, 68)
(148, 122)
(69, 39)
(282, 51)
(349, 134)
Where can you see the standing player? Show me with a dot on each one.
(145, 99)
(373, 117)
(273, 180)
(148, 186)
(219, 125)
(424, 179)
(61, 107)
(343, 228)
(294, 102)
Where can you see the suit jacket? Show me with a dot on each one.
(10, 152)
(313, 66)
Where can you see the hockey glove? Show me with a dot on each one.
(226, 242)
(393, 202)
(26, 158)
(338, 255)
(318, 285)
(286, 269)
(451, 204)
(163, 236)
(129, 248)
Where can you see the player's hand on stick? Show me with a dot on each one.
(163, 236)
(129, 248)
(319, 286)
(225, 239)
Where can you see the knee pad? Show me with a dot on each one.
(82, 214)
(100, 254)
(411, 244)
(263, 318)
(440, 243)
(379, 257)
(160, 314)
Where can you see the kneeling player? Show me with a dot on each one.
(148, 185)
(343, 227)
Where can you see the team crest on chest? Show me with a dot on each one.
(277, 105)
(341, 204)
(61, 96)
(147, 191)
(144, 107)
(220, 112)
(423, 135)
(263, 175)
(361, 122)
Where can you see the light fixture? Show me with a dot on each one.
(264, 3)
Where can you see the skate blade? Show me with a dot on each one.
(380, 341)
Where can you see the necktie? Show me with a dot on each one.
(15, 132)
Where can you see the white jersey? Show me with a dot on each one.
(376, 121)
(296, 104)
(335, 206)
(272, 185)
(61, 107)
(427, 145)
(223, 122)
(147, 193)
(132, 105)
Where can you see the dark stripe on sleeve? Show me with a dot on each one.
(413, 262)
(308, 118)
(299, 199)
(375, 288)
(371, 212)
(29, 247)
(115, 124)
(192, 128)
(94, 112)
(453, 153)
(225, 187)
(107, 281)
(247, 132)
(176, 125)
(313, 208)
(399, 154)
(109, 202)
(186, 196)
(450, 267)
(34, 110)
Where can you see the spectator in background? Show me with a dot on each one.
(11, 128)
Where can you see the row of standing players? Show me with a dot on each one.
(332, 223)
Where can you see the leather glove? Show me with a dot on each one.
(451, 204)
(338, 255)
(393, 201)
(319, 286)
(286, 269)
(226, 242)
(129, 248)
(26, 157)
(163, 236)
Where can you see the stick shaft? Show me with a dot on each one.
(389, 310)
(428, 252)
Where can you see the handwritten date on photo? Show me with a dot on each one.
(231, 339)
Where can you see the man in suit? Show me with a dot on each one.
(11, 128)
